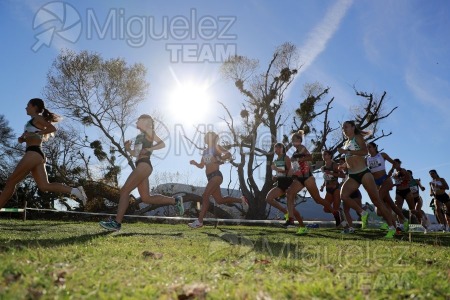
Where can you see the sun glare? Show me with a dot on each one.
(189, 103)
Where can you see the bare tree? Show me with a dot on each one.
(100, 93)
(264, 94)
(310, 116)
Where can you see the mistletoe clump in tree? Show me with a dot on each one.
(262, 113)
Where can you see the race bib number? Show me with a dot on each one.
(373, 164)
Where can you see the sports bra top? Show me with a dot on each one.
(209, 154)
(300, 168)
(436, 185)
(32, 130)
(414, 186)
(280, 163)
(401, 181)
(351, 145)
(329, 177)
(376, 163)
(141, 142)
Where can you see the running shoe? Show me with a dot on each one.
(179, 205)
(406, 225)
(82, 196)
(364, 219)
(390, 234)
(195, 224)
(302, 231)
(384, 226)
(315, 225)
(110, 225)
(349, 230)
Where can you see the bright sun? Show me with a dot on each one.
(189, 103)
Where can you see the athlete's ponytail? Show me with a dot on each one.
(46, 114)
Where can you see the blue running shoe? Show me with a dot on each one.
(110, 225)
(349, 230)
(315, 225)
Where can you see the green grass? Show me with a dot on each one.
(78, 260)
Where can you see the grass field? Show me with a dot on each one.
(79, 260)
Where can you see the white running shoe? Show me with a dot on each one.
(195, 224)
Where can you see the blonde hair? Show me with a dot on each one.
(299, 135)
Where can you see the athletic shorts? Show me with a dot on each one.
(403, 193)
(443, 198)
(145, 160)
(359, 176)
(301, 179)
(284, 182)
(214, 174)
(380, 180)
(37, 149)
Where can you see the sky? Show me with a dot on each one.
(400, 47)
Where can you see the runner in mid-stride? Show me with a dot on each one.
(37, 130)
(355, 149)
(213, 156)
(146, 142)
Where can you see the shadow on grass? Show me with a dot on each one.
(40, 242)
(130, 234)
(32, 227)
(236, 236)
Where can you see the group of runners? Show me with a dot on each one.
(360, 164)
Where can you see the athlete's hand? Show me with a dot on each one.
(193, 162)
